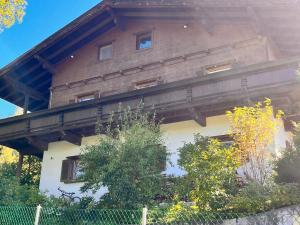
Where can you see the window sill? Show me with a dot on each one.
(143, 50)
(104, 60)
(73, 181)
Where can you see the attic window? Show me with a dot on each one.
(146, 83)
(71, 170)
(105, 52)
(144, 40)
(218, 68)
(86, 97)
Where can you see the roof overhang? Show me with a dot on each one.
(31, 74)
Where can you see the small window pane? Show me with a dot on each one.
(144, 41)
(85, 98)
(218, 68)
(77, 172)
(105, 52)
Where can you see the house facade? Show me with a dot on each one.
(191, 61)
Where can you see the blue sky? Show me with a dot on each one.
(43, 18)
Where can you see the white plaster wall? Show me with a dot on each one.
(281, 137)
(175, 135)
(52, 163)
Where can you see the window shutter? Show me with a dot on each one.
(162, 162)
(65, 170)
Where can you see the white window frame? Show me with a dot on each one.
(100, 54)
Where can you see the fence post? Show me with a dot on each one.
(144, 216)
(37, 215)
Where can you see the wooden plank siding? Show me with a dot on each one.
(206, 94)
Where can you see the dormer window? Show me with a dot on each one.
(144, 40)
(105, 52)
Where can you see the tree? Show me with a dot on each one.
(30, 174)
(253, 130)
(11, 11)
(128, 160)
(31, 171)
(8, 155)
(287, 167)
(211, 167)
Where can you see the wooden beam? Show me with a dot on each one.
(198, 117)
(25, 89)
(71, 137)
(20, 165)
(78, 39)
(46, 64)
(38, 143)
(26, 104)
(119, 21)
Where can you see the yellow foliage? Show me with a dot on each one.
(8, 155)
(253, 130)
(11, 11)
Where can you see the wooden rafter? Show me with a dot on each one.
(78, 39)
(38, 143)
(200, 118)
(46, 64)
(24, 89)
(120, 22)
(71, 137)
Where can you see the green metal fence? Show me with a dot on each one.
(51, 216)
(17, 215)
(63, 216)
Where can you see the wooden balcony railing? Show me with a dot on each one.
(195, 98)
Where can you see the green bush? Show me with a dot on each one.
(128, 160)
(287, 167)
(12, 193)
(210, 168)
(255, 198)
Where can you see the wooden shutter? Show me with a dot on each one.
(162, 162)
(65, 170)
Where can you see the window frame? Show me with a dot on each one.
(139, 36)
(103, 46)
(147, 83)
(67, 170)
(94, 94)
(230, 64)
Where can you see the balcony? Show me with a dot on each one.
(196, 98)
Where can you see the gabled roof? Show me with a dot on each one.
(31, 73)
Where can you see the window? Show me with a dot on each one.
(105, 52)
(71, 170)
(146, 83)
(226, 140)
(144, 41)
(218, 68)
(85, 98)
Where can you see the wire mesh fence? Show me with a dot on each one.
(51, 216)
(17, 215)
(66, 216)
(284, 216)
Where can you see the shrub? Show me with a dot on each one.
(211, 167)
(128, 160)
(287, 167)
(255, 198)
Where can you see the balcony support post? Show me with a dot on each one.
(20, 164)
